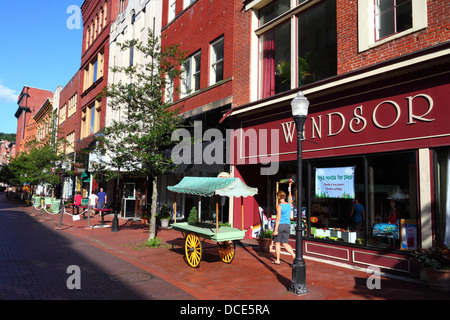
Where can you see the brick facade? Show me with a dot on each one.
(349, 59)
(194, 29)
(94, 13)
(29, 102)
(71, 122)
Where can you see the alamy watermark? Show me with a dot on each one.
(75, 20)
(238, 147)
(74, 280)
(374, 281)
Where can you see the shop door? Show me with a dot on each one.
(129, 197)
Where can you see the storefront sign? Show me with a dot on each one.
(410, 120)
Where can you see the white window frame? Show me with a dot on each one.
(70, 145)
(168, 92)
(172, 10)
(214, 61)
(188, 77)
(187, 3)
(366, 23)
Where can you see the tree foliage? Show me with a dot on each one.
(137, 143)
(40, 163)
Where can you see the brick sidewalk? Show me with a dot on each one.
(251, 276)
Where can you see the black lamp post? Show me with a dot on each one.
(61, 203)
(299, 112)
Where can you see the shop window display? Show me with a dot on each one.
(337, 207)
(377, 206)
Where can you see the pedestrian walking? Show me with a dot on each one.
(101, 199)
(282, 227)
(93, 200)
(78, 199)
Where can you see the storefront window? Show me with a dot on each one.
(317, 43)
(335, 213)
(364, 200)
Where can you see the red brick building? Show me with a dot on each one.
(7, 151)
(68, 113)
(29, 102)
(206, 31)
(97, 18)
(89, 117)
(377, 80)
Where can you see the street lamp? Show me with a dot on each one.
(61, 203)
(299, 112)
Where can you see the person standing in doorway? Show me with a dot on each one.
(282, 227)
(101, 199)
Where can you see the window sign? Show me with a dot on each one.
(335, 182)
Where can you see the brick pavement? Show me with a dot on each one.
(251, 276)
(34, 260)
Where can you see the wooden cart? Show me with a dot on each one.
(193, 232)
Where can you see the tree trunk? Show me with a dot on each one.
(152, 233)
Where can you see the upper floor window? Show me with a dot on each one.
(276, 60)
(216, 72)
(105, 14)
(91, 119)
(392, 16)
(191, 75)
(122, 5)
(62, 114)
(380, 21)
(172, 7)
(94, 70)
(309, 32)
(186, 3)
(133, 20)
(72, 108)
(169, 87)
(70, 143)
(273, 10)
(317, 43)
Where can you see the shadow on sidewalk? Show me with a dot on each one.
(258, 255)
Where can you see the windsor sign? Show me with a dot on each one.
(385, 115)
(407, 121)
(411, 120)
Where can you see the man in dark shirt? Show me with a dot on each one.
(101, 202)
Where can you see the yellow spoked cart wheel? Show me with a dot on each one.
(227, 250)
(193, 250)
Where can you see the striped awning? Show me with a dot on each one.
(207, 187)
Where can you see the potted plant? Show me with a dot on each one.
(164, 216)
(265, 240)
(144, 215)
(436, 263)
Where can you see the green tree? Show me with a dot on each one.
(40, 163)
(138, 143)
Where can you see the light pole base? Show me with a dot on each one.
(298, 284)
(298, 289)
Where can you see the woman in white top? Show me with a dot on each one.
(93, 200)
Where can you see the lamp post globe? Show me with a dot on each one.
(300, 107)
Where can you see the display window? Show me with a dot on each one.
(363, 200)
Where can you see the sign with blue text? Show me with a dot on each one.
(335, 182)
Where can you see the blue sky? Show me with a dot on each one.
(37, 50)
